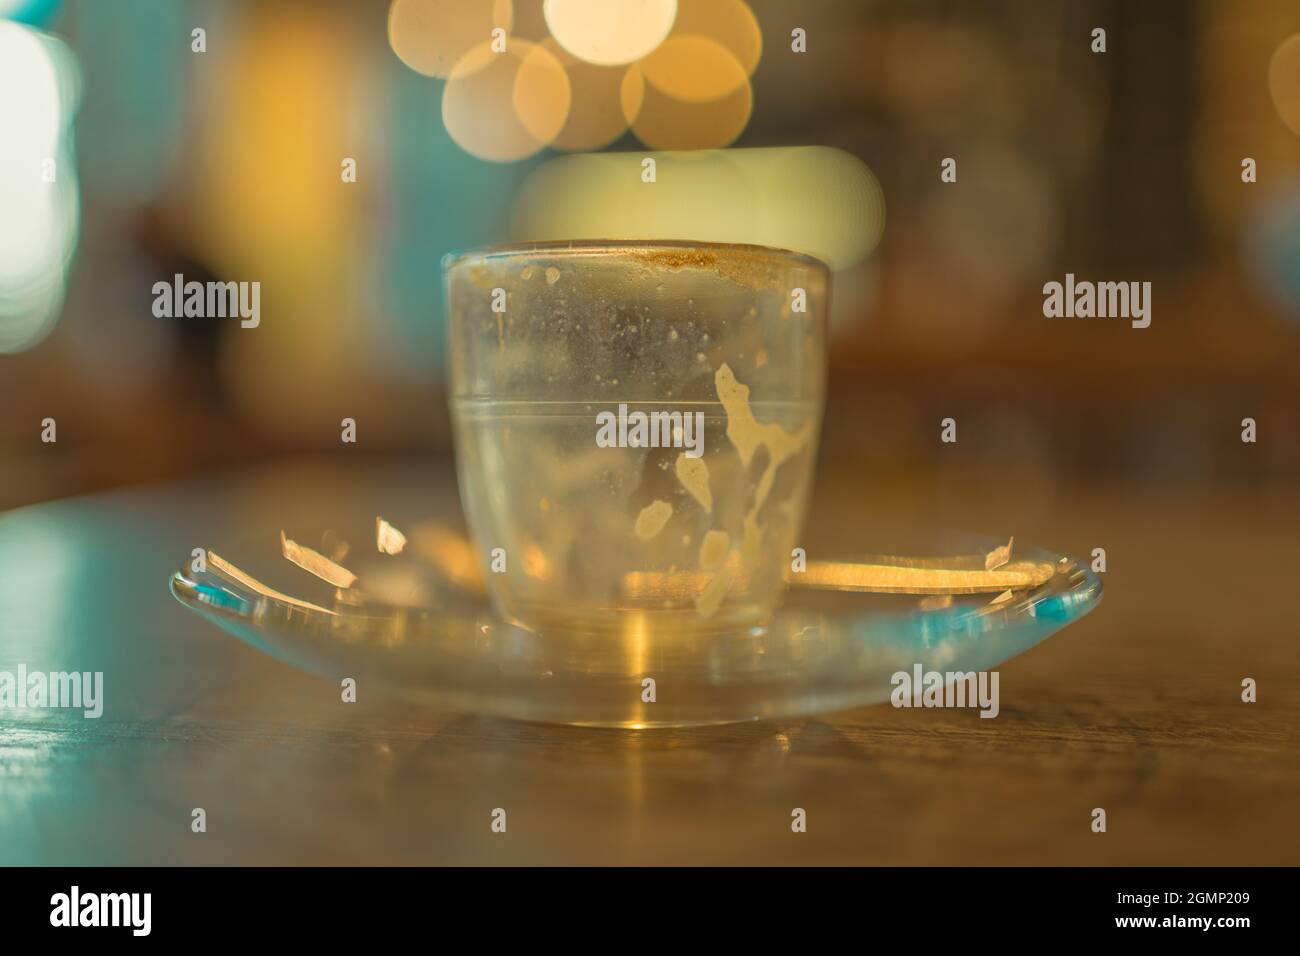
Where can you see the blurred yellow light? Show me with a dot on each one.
(542, 95)
(610, 32)
(694, 69)
(663, 122)
(506, 106)
(282, 80)
(595, 115)
(812, 199)
(451, 553)
(1284, 81)
(729, 22)
(432, 36)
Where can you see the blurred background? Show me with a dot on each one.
(229, 162)
(334, 150)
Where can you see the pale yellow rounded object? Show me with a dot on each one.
(662, 122)
(1284, 81)
(433, 36)
(610, 32)
(504, 107)
(814, 199)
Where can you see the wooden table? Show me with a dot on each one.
(1135, 709)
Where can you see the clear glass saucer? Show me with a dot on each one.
(417, 624)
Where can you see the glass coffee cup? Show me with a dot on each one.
(636, 424)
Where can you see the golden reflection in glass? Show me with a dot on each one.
(999, 556)
(221, 565)
(432, 36)
(684, 585)
(313, 562)
(449, 553)
(897, 576)
(388, 540)
(452, 555)
(534, 562)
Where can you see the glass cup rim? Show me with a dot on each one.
(577, 248)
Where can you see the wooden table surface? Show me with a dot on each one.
(1135, 709)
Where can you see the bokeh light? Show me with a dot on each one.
(39, 90)
(674, 72)
(506, 106)
(433, 36)
(728, 22)
(662, 122)
(694, 69)
(812, 199)
(595, 114)
(1284, 81)
(610, 32)
(542, 94)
